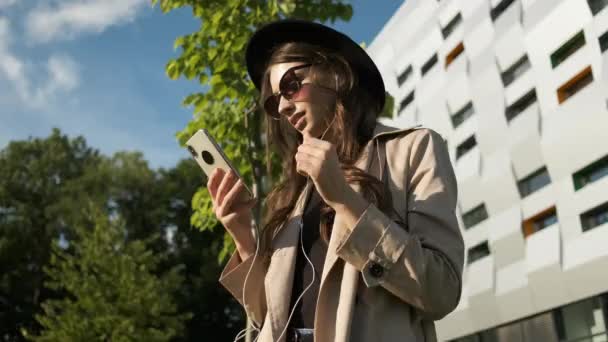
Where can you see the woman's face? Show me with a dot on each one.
(313, 111)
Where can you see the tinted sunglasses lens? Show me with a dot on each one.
(289, 84)
(271, 105)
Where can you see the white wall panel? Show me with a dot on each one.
(559, 264)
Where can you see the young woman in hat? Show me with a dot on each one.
(360, 240)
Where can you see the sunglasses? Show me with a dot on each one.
(292, 89)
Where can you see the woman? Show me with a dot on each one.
(343, 255)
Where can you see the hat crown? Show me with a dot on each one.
(266, 38)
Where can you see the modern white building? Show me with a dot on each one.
(519, 90)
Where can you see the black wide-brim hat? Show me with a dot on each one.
(267, 37)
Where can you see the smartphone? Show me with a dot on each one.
(209, 156)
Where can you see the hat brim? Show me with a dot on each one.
(266, 38)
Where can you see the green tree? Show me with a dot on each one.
(111, 290)
(43, 185)
(214, 56)
(40, 181)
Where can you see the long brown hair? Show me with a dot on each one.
(354, 125)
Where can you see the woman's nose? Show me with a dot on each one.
(286, 107)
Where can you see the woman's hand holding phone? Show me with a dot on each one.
(226, 189)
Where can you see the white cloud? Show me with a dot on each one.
(60, 70)
(74, 17)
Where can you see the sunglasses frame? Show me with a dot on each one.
(280, 93)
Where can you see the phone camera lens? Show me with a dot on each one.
(192, 151)
(207, 157)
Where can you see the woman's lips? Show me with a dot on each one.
(300, 124)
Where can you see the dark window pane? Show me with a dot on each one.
(474, 216)
(471, 338)
(569, 47)
(449, 28)
(604, 41)
(581, 320)
(500, 8)
(539, 328)
(534, 182)
(429, 64)
(477, 252)
(510, 333)
(488, 336)
(465, 146)
(545, 222)
(464, 113)
(404, 75)
(597, 5)
(520, 105)
(591, 173)
(594, 217)
(513, 72)
(406, 101)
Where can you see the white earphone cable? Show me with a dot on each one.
(243, 332)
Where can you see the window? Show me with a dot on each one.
(449, 28)
(597, 5)
(520, 105)
(566, 50)
(474, 216)
(591, 173)
(429, 64)
(515, 70)
(465, 146)
(404, 75)
(594, 217)
(477, 252)
(604, 41)
(574, 85)
(539, 221)
(406, 101)
(453, 54)
(584, 320)
(500, 8)
(464, 113)
(534, 182)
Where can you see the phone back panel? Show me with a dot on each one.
(209, 155)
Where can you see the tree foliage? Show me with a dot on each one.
(110, 286)
(44, 183)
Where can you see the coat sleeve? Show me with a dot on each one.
(233, 279)
(421, 263)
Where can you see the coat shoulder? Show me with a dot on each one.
(387, 132)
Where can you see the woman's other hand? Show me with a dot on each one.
(227, 193)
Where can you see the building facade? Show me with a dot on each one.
(519, 91)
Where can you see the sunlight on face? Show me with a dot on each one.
(315, 110)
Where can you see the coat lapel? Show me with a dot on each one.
(279, 277)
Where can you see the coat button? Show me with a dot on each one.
(376, 270)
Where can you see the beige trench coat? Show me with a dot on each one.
(381, 281)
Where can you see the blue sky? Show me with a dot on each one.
(64, 64)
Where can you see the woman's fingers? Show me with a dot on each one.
(213, 182)
(230, 197)
(225, 186)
